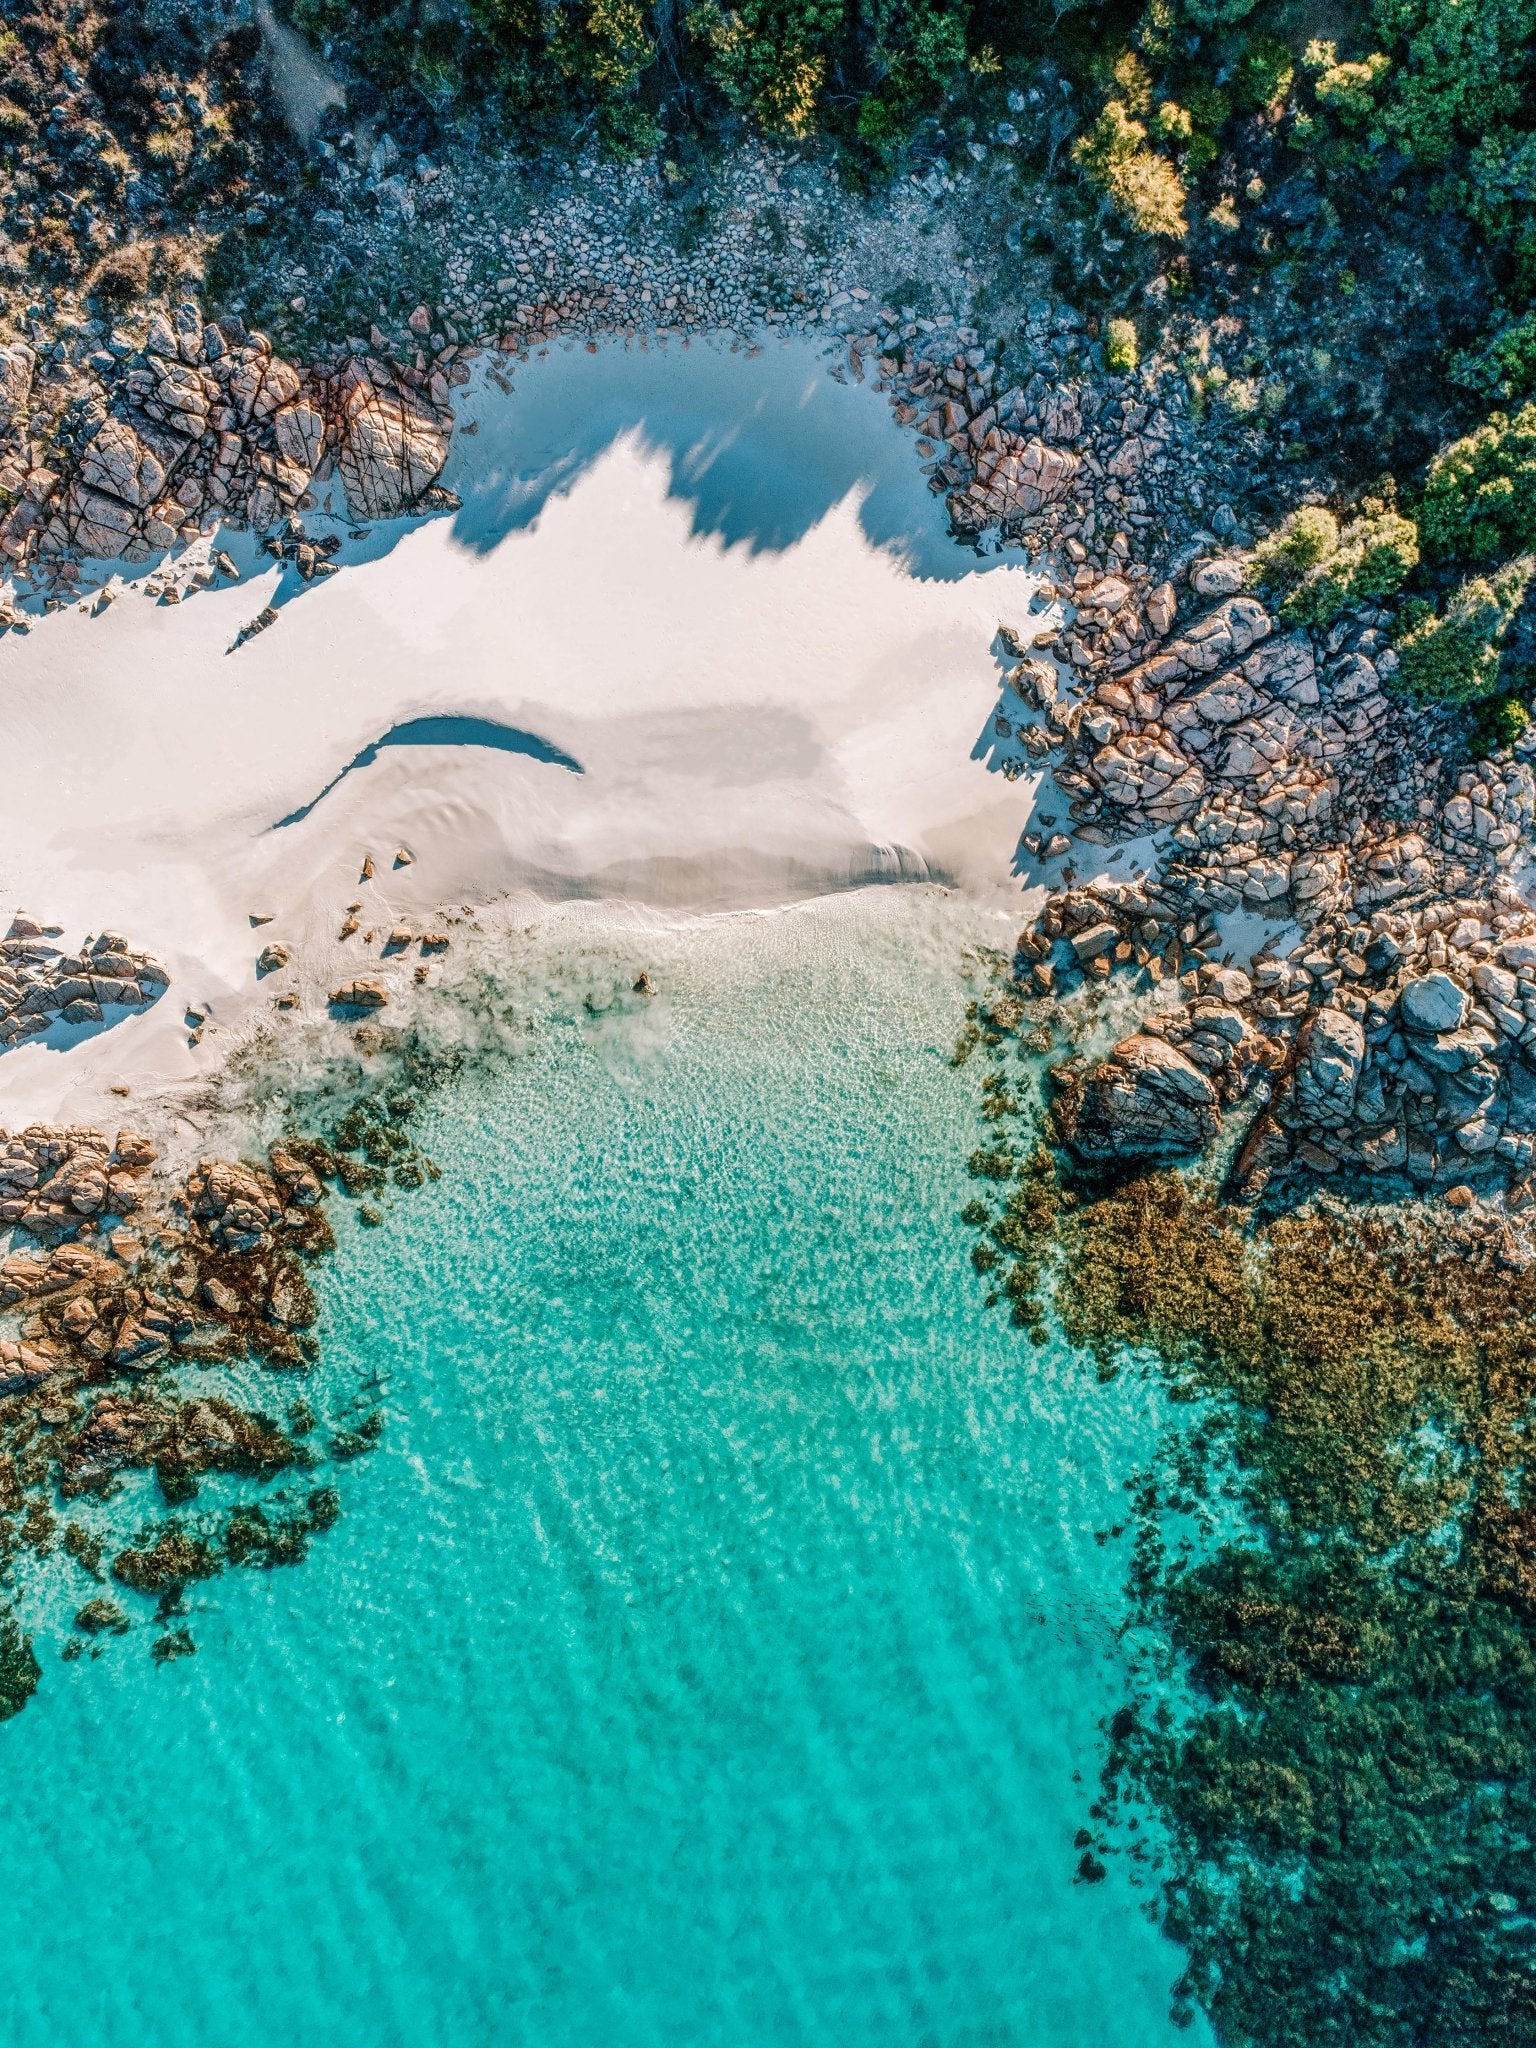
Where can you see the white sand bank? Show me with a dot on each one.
(698, 576)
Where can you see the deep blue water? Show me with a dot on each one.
(716, 1649)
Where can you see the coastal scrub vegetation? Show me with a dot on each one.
(1326, 221)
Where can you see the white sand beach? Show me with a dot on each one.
(700, 603)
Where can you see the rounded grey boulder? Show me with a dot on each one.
(1434, 1003)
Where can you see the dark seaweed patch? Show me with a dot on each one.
(1333, 1576)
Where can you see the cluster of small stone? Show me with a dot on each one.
(1036, 431)
(1040, 442)
(1276, 759)
(56, 1183)
(618, 248)
(114, 1273)
(41, 984)
(205, 422)
(117, 442)
(1144, 923)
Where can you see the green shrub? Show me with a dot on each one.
(1454, 658)
(1210, 105)
(1505, 365)
(1309, 536)
(1143, 186)
(876, 122)
(1499, 193)
(787, 61)
(1497, 723)
(1348, 90)
(1266, 74)
(1122, 351)
(1459, 76)
(1322, 568)
(1480, 494)
(1133, 83)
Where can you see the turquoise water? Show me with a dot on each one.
(714, 1652)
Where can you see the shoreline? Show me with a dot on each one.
(1088, 672)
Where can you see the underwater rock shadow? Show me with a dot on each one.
(444, 730)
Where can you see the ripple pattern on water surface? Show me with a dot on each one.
(710, 1652)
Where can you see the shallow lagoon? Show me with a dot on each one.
(717, 1647)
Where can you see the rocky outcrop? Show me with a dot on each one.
(360, 994)
(1434, 1004)
(1330, 1058)
(206, 421)
(53, 1180)
(17, 363)
(1147, 1101)
(42, 985)
(231, 1240)
(1159, 1094)
(1283, 774)
(1402, 1043)
(1011, 475)
(391, 445)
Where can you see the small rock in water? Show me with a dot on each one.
(403, 856)
(367, 869)
(645, 986)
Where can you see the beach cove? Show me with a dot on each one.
(698, 615)
(719, 1639)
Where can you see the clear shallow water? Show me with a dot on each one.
(709, 1653)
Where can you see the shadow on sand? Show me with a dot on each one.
(448, 730)
(761, 443)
